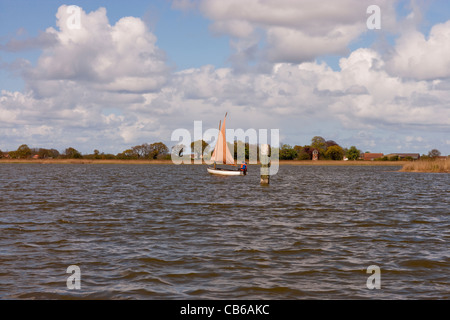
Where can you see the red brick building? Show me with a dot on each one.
(372, 156)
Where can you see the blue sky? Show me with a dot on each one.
(302, 67)
(179, 34)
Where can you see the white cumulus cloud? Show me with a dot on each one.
(420, 57)
(291, 30)
(122, 57)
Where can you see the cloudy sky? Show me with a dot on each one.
(123, 73)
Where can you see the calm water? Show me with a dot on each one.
(175, 232)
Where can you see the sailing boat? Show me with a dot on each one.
(222, 155)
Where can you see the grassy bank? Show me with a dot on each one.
(341, 163)
(427, 166)
(84, 161)
(282, 162)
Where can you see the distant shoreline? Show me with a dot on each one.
(341, 163)
(406, 166)
(169, 162)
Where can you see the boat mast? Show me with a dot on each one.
(224, 145)
(216, 148)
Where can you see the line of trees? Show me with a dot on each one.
(327, 150)
(156, 150)
(24, 152)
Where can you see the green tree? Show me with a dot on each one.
(158, 150)
(298, 148)
(394, 158)
(330, 143)
(23, 152)
(108, 156)
(309, 150)
(47, 153)
(13, 154)
(319, 143)
(287, 152)
(250, 150)
(199, 148)
(145, 151)
(127, 155)
(353, 153)
(434, 153)
(334, 153)
(141, 151)
(302, 153)
(71, 153)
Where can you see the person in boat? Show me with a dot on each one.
(243, 167)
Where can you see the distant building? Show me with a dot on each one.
(315, 155)
(401, 156)
(372, 156)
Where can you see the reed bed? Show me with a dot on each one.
(437, 165)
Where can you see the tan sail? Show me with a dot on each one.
(222, 154)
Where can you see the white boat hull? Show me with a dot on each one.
(225, 172)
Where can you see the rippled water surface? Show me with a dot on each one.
(176, 232)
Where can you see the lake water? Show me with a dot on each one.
(176, 232)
